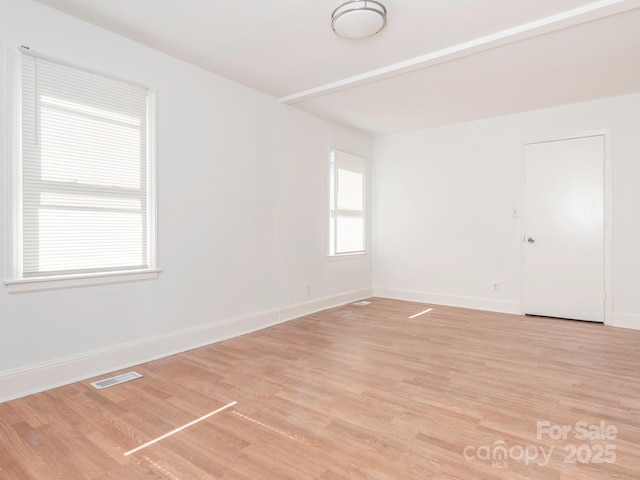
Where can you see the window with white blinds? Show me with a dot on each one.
(86, 173)
(346, 203)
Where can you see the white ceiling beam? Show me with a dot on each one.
(587, 13)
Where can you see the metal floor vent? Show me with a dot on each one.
(362, 303)
(109, 382)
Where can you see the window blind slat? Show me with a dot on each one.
(84, 171)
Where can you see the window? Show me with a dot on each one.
(346, 204)
(83, 191)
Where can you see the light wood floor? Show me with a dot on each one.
(352, 393)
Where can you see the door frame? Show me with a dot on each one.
(608, 252)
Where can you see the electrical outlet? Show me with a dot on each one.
(495, 287)
(308, 289)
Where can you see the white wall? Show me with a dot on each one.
(443, 201)
(241, 202)
(303, 198)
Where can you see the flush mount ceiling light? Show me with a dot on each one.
(359, 18)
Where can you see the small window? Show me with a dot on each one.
(346, 204)
(83, 184)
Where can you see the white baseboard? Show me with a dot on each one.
(44, 376)
(313, 306)
(490, 305)
(626, 320)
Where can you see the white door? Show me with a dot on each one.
(564, 228)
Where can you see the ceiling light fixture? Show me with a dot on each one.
(359, 18)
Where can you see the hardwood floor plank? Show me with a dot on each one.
(351, 393)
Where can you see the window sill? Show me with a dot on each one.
(346, 256)
(36, 284)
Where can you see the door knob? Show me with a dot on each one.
(531, 240)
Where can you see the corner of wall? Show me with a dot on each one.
(502, 306)
(37, 378)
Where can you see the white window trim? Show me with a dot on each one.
(54, 283)
(14, 162)
(330, 248)
(347, 256)
(15, 282)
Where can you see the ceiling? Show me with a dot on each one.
(435, 63)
